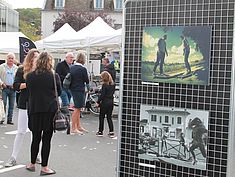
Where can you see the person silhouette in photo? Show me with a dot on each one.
(182, 143)
(165, 135)
(162, 51)
(198, 132)
(186, 52)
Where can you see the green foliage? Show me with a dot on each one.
(30, 22)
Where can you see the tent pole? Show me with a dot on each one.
(88, 63)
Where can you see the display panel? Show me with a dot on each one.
(214, 97)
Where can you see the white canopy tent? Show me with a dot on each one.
(96, 37)
(98, 34)
(10, 41)
(57, 39)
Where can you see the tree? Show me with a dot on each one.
(30, 22)
(79, 20)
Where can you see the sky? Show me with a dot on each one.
(25, 3)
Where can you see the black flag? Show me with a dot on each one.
(25, 45)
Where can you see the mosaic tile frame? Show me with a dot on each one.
(215, 98)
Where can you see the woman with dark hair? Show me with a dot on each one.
(20, 85)
(79, 79)
(41, 109)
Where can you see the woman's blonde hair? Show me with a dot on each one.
(106, 78)
(44, 63)
(28, 61)
(81, 58)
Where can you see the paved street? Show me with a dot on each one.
(71, 155)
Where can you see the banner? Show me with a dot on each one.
(25, 45)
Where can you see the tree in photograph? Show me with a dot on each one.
(79, 20)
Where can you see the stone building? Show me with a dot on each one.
(52, 8)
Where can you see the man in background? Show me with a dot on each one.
(63, 68)
(109, 68)
(7, 76)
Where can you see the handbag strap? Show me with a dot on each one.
(56, 93)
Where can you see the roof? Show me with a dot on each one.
(162, 111)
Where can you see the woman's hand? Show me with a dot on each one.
(22, 86)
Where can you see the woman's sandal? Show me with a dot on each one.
(83, 130)
(50, 172)
(30, 168)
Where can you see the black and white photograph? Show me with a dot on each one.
(173, 135)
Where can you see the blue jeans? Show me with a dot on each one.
(65, 97)
(10, 95)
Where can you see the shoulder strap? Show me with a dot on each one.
(56, 93)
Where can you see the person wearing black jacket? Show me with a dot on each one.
(63, 68)
(109, 67)
(105, 102)
(20, 85)
(41, 109)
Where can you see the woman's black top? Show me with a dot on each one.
(106, 94)
(41, 89)
(24, 94)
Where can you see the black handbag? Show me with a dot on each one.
(62, 116)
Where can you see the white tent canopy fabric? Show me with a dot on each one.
(10, 41)
(57, 39)
(97, 34)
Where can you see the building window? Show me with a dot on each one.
(98, 4)
(154, 118)
(166, 119)
(173, 121)
(141, 129)
(160, 119)
(179, 120)
(59, 4)
(118, 4)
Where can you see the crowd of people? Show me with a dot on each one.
(35, 82)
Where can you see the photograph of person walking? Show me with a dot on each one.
(176, 54)
(162, 51)
(41, 109)
(186, 52)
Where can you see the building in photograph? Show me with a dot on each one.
(52, 8)
(158, 119)
(9, 18)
